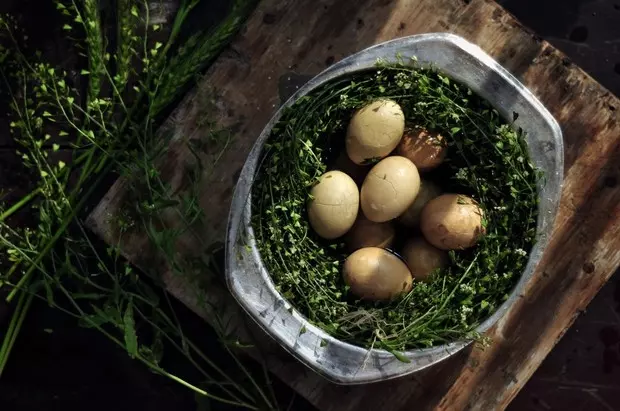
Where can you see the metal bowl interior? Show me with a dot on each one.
(249, 281)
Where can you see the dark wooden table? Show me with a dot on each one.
(287, 41)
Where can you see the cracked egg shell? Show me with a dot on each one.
(374, 131)
(376, 274)
(390, 187)
(452, 222)
(334, 205)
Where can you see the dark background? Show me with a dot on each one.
(56, 365)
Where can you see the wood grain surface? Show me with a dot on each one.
(287, 41)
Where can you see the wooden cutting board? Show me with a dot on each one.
(287, 41)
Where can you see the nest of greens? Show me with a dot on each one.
(487, 160)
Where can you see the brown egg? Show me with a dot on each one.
(389, 189)
(376, 274)
(355, 171)
(374, 131)
(366, 233)
(425, 149)
(452, 222)
(423, 259)
(428, 191)
(333, 209)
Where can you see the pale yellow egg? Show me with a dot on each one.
(390, 187)
(423, 259)
(452, 222)
(334, 205)
(374, 131)
(376, 274)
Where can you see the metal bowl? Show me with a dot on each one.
(249, 281)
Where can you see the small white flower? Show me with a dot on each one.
(464, 313)
(467, 288)
(466, 310)
(521, 251)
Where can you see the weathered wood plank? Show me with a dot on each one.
(287, 40)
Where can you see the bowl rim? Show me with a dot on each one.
(240, 211)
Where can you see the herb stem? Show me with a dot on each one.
(59, 232)
(21, 309)
(17, 206)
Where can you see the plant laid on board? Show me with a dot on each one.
(73, 131)
(351, 223)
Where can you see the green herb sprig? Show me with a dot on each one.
(110, 125)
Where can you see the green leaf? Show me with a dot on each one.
(131, 339)
(101, 317)
(49, 294)
(400, 356)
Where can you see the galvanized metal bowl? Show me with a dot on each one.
(251, 284)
